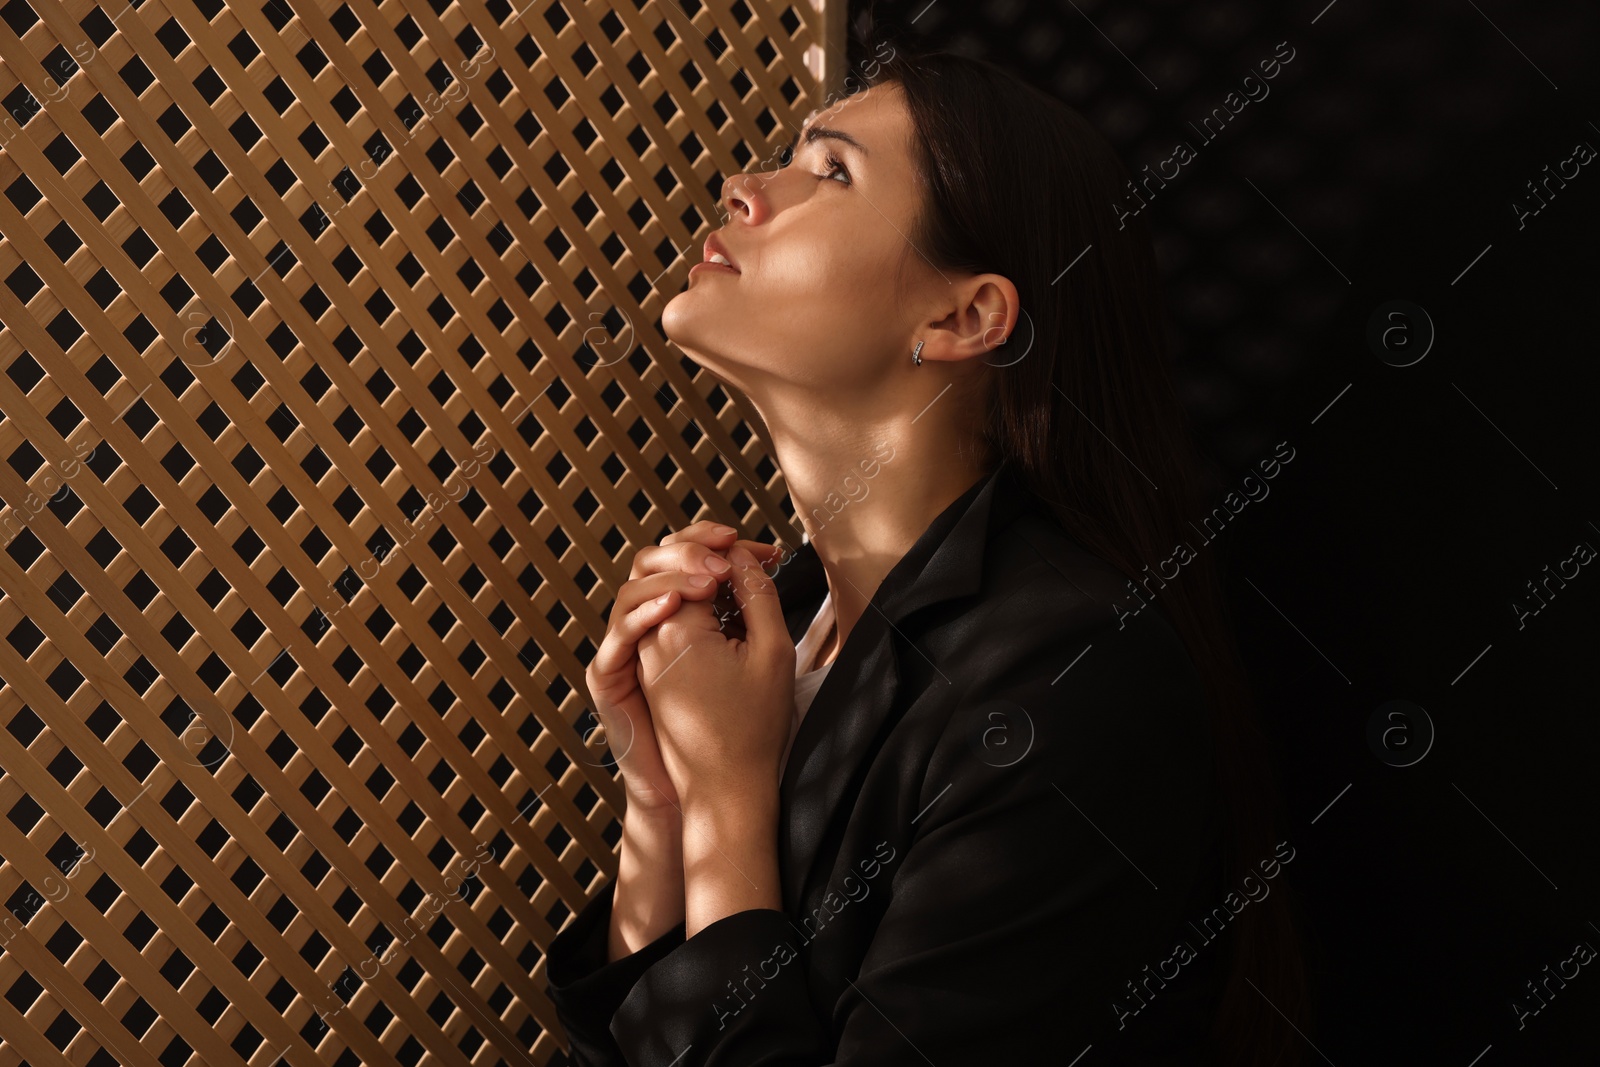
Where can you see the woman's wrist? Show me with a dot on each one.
(649, 896)
(730, 860)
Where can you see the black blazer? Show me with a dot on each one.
(997, 819)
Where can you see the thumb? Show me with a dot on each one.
(758, 602)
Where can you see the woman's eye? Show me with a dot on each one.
(836, 167)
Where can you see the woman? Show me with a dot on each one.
(960, 792)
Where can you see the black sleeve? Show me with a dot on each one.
(1036, 883)
(586, 989)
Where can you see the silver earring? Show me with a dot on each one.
(916, 354)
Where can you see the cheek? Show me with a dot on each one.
(836, 303)
(838, 280)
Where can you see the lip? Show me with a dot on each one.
(707, 267)
(714, 246)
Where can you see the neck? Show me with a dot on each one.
(865, 501)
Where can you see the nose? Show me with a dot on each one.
(743, 193)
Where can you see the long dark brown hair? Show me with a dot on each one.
(1016, 182)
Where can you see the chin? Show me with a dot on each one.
(683, 323)
(677, 318)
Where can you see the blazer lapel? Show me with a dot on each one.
(849, 712)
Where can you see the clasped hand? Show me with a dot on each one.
(696, 717)
(723, 706)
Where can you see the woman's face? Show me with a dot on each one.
(816, 244)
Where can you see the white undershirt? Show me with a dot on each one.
(806, 682)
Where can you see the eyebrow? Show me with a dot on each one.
(818, 133)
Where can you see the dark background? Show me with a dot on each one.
(1384, 563)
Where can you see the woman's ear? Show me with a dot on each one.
(980, 313)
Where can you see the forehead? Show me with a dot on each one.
(876, 112)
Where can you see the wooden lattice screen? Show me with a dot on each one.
(334, 405)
